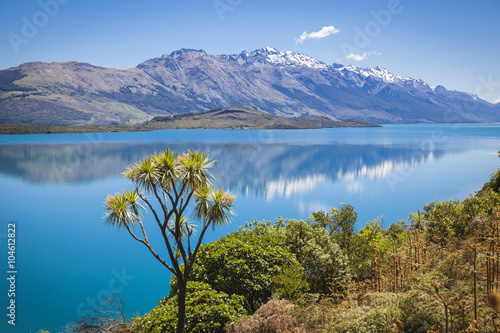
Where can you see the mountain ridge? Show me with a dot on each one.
(282, 83)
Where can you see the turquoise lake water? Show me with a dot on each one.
(53, 188)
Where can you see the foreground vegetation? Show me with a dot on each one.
(438, 271)
(228, 118)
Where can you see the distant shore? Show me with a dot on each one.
(235, 117)
(6, 129)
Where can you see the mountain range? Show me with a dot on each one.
(280, 83)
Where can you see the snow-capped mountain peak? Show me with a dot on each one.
(288, 58)
(289, 83)
(377, 72)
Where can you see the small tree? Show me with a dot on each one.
(173, 181)
(341, 224)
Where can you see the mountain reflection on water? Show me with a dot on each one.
(266, 170)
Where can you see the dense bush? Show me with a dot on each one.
(207, 310)
(420, 312)
(322, 259)
(255, 267)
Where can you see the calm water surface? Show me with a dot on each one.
(53, 187)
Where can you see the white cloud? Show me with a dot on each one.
(357, 57)
(324, 32)
(363, 56)
(496, 101)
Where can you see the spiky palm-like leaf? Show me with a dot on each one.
(133, 198)
(202, 198)
(123, 209)
(167, 167)
(186, 227)
(194, 169)
(144, 174)
(213, 206)
(220, 211)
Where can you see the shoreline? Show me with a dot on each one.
(13, 129)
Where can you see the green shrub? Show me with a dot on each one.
(420, 312)
(252, 266)
(377, 314)
(317, 252)
(207, 310)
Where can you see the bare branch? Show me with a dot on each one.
(150, 249)
(171, 253)
(183, 208)
(155, 191)
(108, 316)
(152, 209)
(206, 224)
(174, 188)
(178, 237)
(164, 191)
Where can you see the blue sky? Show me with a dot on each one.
(452, 43)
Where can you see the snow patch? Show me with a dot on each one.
(377, 72)
(288, 58)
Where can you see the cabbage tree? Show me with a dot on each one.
(165, 184)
